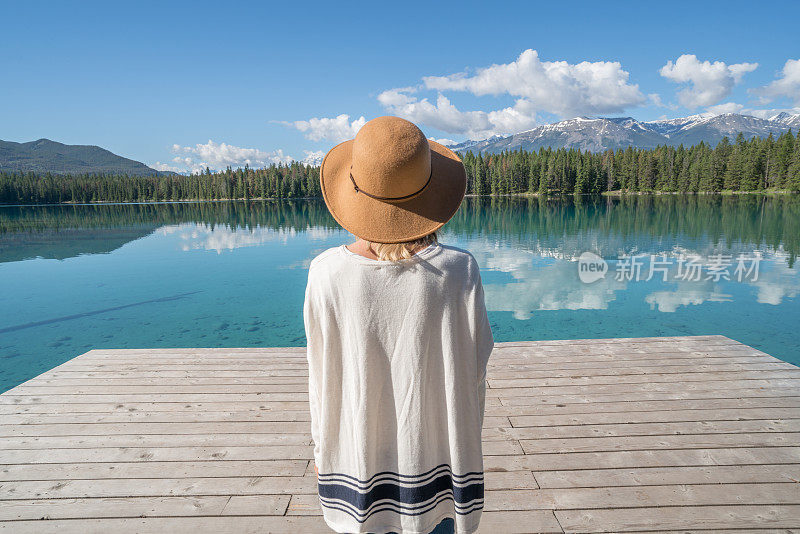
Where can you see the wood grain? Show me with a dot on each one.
(689, 434)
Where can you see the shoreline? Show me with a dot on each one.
(615, 193)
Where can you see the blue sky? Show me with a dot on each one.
(184, 85)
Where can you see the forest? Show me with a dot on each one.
(757, 164)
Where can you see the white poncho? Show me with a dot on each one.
(397, 357)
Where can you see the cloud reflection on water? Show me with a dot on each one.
(545, 278)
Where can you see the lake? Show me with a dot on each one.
(232, 274)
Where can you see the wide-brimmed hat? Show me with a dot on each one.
(390, 184)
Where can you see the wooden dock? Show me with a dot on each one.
(612, 435)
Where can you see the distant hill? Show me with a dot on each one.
(49, 156)
(599, 134)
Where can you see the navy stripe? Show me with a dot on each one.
(400, 506)
(400, 494)
(330, 479)
(395, 508)
(398, 475)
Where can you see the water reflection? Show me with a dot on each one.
(82, 277)
(561, 228)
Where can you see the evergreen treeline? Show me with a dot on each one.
(276, 181)
(754, 165)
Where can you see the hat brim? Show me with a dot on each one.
(398, 221)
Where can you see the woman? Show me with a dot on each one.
(398, 341)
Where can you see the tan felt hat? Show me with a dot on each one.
(390, 184)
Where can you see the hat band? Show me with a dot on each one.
(376, 197)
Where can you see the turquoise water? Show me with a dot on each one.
(232, 274)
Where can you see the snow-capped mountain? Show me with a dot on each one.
(793, 121)
(598, 134)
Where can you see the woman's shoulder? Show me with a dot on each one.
(324, 258)
(459, 259)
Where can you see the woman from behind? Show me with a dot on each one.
(398, 342)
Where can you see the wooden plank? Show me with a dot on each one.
(304, 505)
(543, 363)
(13, 398)
(124, 507)
(154, 469)
(644, 458)
(248, 439)
(500, 372)
(655, 416)
(631, 443)
(164, 454)
(657, 405)
(42, 407)
(654, 476)
(644, 429)
(160, 525)
(155, 487)
(252, 416)
(528, 521)
(167, 381)
(720, 386)
(68, 372)
(644, 496)
(254, 505)
(650, 378)
(741, 516)
(107, 429)
(501, 480)
(773, 392)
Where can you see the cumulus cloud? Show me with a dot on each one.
(337, 129)
(787, 85)
(444, 116)
(313, 157)
(727, 107)
(443, 141)
(218, 156)
(656, 100)
(709, 82)
(556, 87)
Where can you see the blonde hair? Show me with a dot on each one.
(402, 251)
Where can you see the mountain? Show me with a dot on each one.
(49, 156)
(793, 121)
(711, 130)
(602, 133)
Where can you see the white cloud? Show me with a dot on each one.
(727, 107)
(168, 168)
(787, 85)
(443, 141)
(218, 156)
(337, 129)
(556, 87)
(710, 82)
(656, 100)
(313, 157)
(444, 116)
